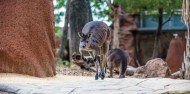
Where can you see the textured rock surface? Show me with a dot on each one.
(126, 38)
(153, 68)
(27, 44)
(87, 85)
(175, 54)
(145, 41)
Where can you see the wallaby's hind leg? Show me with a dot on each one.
(109, 65)
(111, 73)
(122, 70)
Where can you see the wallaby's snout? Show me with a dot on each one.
(82, 44)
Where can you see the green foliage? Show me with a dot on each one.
(58, 15)
(58, 31)
(137, 6)
(58, 4)
(100, 9)
(61, 63)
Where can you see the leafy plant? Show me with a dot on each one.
(58, 16)
(58, 4)
(58, 31)
(61, 63)
(101, 10)
(137, 6)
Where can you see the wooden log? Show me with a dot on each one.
(175, 75)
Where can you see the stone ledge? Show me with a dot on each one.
(90, 86)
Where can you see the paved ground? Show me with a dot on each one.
(60, 84)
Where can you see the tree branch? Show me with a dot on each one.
(169, 19)
(109, 3)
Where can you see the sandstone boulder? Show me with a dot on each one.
(27, 42)
(153, 68)
(175, 54)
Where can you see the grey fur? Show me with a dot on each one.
(95, 39)
(117, 58)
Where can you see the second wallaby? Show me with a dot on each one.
(119, 59)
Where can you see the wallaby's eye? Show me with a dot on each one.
(83, 35)
(89, 35)
(86, 41)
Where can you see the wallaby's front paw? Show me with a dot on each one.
(96, 77)
(121, 76)
(102, 76)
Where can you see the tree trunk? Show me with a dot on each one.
(64, 39)
(157, 49)
(117, 10)
(79, 15)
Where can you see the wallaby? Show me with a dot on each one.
(95, 39)
(117, 58)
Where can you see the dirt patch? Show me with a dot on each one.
(75, 70)
(3, 92)
(18, 78)
(64, 74)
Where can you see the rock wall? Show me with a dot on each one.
(27, 42)
(145, 43)
(126, 38)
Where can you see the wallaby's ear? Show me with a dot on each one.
(80, 34)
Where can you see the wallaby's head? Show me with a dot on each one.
(84, 40)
